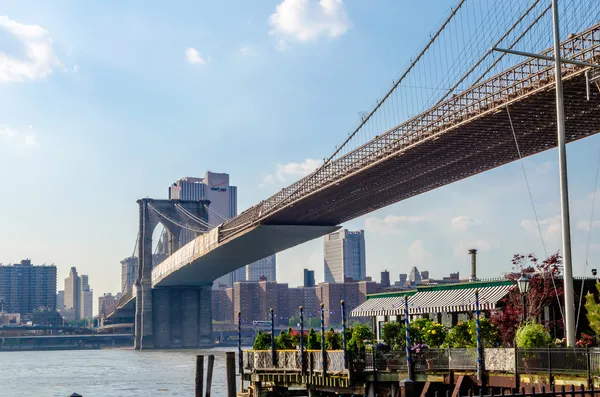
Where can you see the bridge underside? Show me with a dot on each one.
(254, 244)
(468, 147)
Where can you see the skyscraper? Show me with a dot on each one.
(223, 204)
(25, 288)
(309, 278)
(414, 276)
(87, 298)
(266, 267)
(385, 278)
(78, 296)
(345, 256)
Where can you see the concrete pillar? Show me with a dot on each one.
(137, 341)
(176, 316)
(205, 315)
(145, 261)
(162, 318)
(189, 323)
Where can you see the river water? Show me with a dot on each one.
(107, 373)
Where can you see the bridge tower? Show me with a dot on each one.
(170, 317)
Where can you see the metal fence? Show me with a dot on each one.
(552, 361)
(539, 391)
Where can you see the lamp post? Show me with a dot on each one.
(523, 283)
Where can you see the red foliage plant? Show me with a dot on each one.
(543, 291)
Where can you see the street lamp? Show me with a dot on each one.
(523, 283)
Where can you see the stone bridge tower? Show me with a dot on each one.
(170, 317)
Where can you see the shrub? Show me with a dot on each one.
(533, 335)
(333, 340)
(284, 341)
(313, 341)
(459, 336)
(434, 334)
(417, 329)
(394, 335)
(262, 341)
(490, 336)
(361, 333)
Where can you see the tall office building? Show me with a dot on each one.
(309, 278)
(223, 205)
(415, 276)
(263, 269)
(128, 273)
(79, 297)
(60, 300)
(72, 295)
(385, 278)
(345, 257)
(87, 298)
(240, 274)
(25, 288)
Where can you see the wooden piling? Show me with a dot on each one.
(209, 374)
(199, 375)
(230, 365)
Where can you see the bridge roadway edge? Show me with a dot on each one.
(205, 259)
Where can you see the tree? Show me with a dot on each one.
(543, 291)
(593, 310)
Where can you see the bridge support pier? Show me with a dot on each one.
(182, 317)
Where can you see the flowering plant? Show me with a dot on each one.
(434, 334)
(560, 342)
(585, 340)
(418, 348)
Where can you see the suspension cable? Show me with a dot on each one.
(587, 248)
(537, 221)
(175, 222)
(137, 240)
(476, 65)
(510, 47)
(215, 212)
(366, 118)
(202, 222)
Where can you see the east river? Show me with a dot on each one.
(100, 373)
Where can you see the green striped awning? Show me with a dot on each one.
(439, 299)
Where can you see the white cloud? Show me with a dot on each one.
(26, 136)
(193, 56)
(463, 222)
(292, 171)
(307, 20)
(38, 59)
(248, 51)
(417, 253)
(551, 227)
(75, 68)
(392, 224)
(585, 225)
(463, 247)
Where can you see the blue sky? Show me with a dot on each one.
(103, 103)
